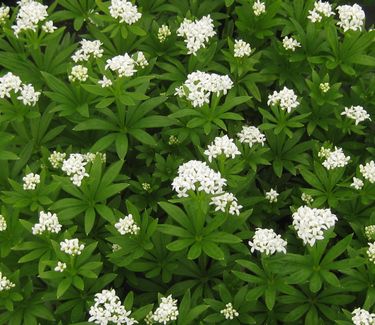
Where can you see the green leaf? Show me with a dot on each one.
(89, 220)
(212, 250)
(63, 286)
(121, 145)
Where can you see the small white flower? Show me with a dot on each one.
(222, 201)
(173, 140)
(124, 65)
(140, 60)
(48, 27)
(30, 181)
(259, 8)
(272, 195)
(321, 9)
(127, 225)
(286, 98)
(47, 222)
(229, 312)
(3, 223)
(60, 267)
(351, 17)
(241, 49)
(56, 159)
(167, 310)
(146, 187)
(163, 33)
(307, 198)
(74, 167)
(105, 82)
(370, 232)
(9, 82)
(335, 159)
(362, 317)
(222, 146)
(78, 72)
(196, 33)
(251, 135)
(115, 247)
(267, 241)
(87, 50)
(71, 247)
(290, 43)
(5, 283)
(357, 183)
(357, 113)
(371, 252)
(324, 87)
(28, 95)
(125, 11)
(368, 171)
(4, 14)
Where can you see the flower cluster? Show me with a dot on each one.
(5, 283)
(127, 225)
(88, 49)
(105, 82)
(29, 15)
(4, 14)
(196, 175)
(307, 198)
(321, 9)
(125, 65)
(310, 223)
(357, 113)
(163, 33)
(108, 309)
(371, 252)
(286, 98)
(196, 33)
(251, 135)
(125, 11)
(30, 181)
(241, 49)
(222, 201)
(56, 159)
(47, 222)
(48, 27)
(3, 223)
(351, 17)
(267, 241)
(167, 310)
(71, 246)
(78, 73)
(259, 8)
(370, 232)
(229, 312)
(368, 171)
(357, 183)
(324, 87)
(74, 167)
(222, 146)
(199, 85)
(334, 159)
(60, 267)
(362, 317)
(10, 82)
(272, 195)
(289, 43)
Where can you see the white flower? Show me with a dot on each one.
(357, 113)
(125, 11)
(335, 159)
(60, 267)
(199, 85)
(229, 312)
(259, 8)
(127, 225)
(47, 222)
(357, 183)
(78, 72)
(173, 140)
(124, 65)
(71, 246)
(105, 82)
(362, 317)
(29, 15)
(74, 167)
(221, 146)
(109, 310)
(267, 241)
(371, 252)
(30, 181)
(48, 27)
(28, 95)
(115, 247)
(370, 232)
(321, 9)
(56, 159)
(368, 171)
(224, 200)
(167, 310)
(146, 186)
(163, 33)
(307, 198)
(324, 87)
(351, 17)
(251, 135)
(290, 43)
(310, 223)
(3, 223)
(272, 195)
(241, 48)
(196, 175)
(4, 14)
(5, 284)
(9, 82)
(196, 33)
(88, 49)
(286, 98)
(140, 60)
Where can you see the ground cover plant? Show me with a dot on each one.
(187, 162)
